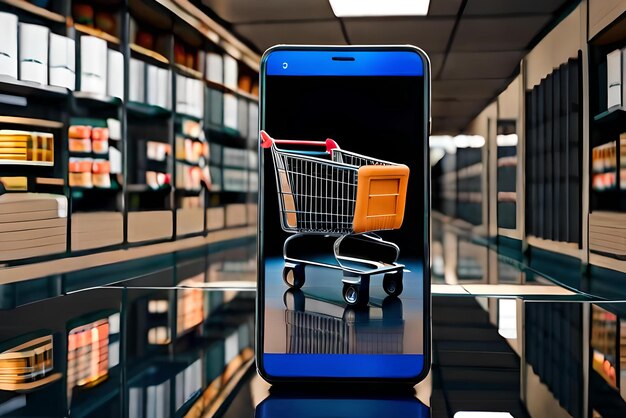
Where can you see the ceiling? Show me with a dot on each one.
(475, 46)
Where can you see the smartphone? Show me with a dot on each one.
(344, 208)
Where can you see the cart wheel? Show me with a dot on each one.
(392, 283)
(294, 300)
(294, 276)
(355, 294)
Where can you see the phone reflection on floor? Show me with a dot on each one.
(318, 326)
(283, 405)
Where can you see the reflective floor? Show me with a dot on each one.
(172, 336)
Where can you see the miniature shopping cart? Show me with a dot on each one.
(332, 201)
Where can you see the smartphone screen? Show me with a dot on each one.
(343, 273)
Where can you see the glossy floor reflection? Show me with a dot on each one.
(172, 336)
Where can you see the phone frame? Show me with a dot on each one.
(260, 301)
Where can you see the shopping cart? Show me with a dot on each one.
(332, 200)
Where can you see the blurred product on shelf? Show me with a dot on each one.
(106, 22)
(33, 53)
(93, 61)
(115, 129)
(157, 151)
(192, 128)
(26, 148)
(189, 96)
(188, 177)
(136, 80)
(115, 74)
(604, 166)
(32, 225)
(245, 83)
(27, 363)
(156, 180)
(83, 14)
(622, 161)
(62, 62)
(8, 44)
(616, 93)
(191, 151)
(230, 72)
(87, 355)
(230, 111)
(214, 67)
(14, 184)
(101, 170)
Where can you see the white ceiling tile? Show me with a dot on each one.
(269, 34)
(248, 11)
(429, 34)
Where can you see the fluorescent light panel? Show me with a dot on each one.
(361, 8)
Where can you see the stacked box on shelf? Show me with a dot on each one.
(32, 225)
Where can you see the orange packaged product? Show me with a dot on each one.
(100, 134)
(80, 165)
(100, 146)
(80, 132)
(81, 180)
(101, 166)
(80, 145)
(102, 180)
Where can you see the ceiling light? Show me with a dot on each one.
(360, 8)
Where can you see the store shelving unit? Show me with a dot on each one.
(151, 32)
(607, 218)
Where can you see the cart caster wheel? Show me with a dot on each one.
(392, 283)
(294, 300)
(355, 295)
(294, 276)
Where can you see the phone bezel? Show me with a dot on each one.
(260, 303)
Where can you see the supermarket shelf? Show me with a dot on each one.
(144, 188)
(147, 110)
(148, 53)
(190, 72)
(607, 262)
(41, 123)
(65, 265)
(36, 10)
(610, 116)
(29, 88)
(96, 100)
(48, 181)
(188, 192)
(565, 248)
(247, 95)
(32, 163)
(86, 30)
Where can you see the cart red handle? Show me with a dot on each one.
(267, 141)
